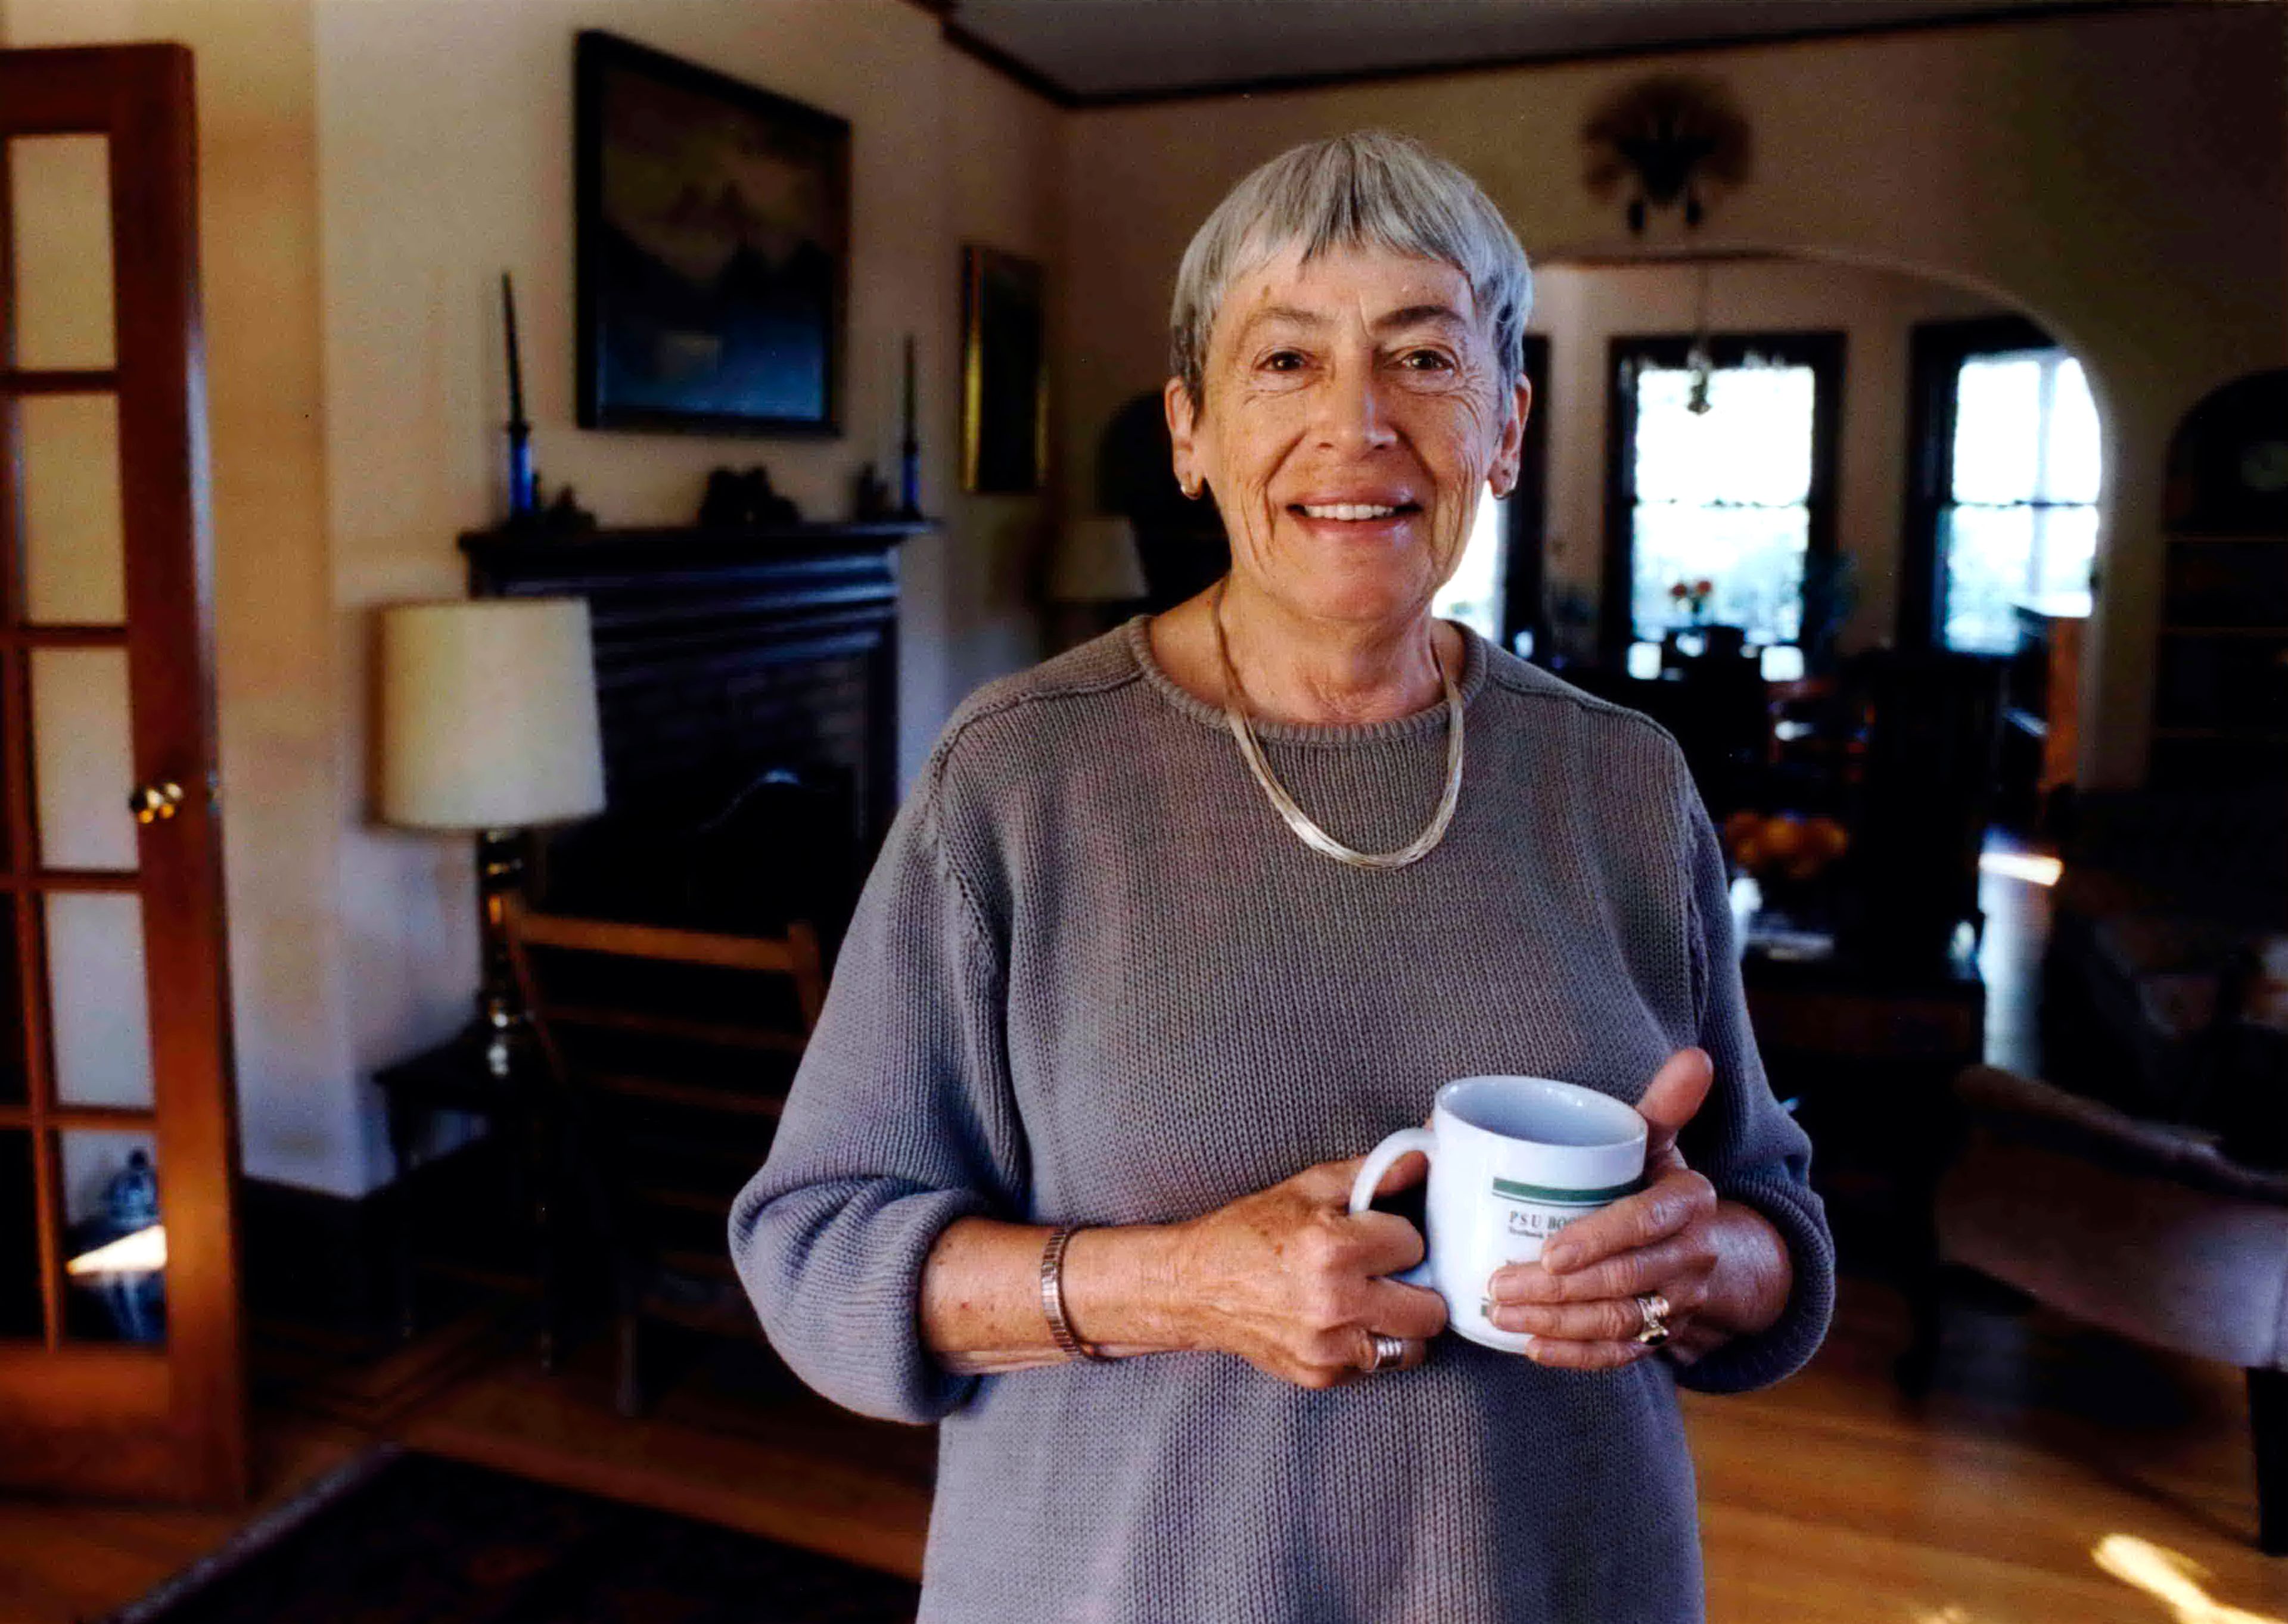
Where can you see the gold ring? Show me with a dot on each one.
(1652, 1313)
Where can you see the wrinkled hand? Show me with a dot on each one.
(1578, 1302)
(1287, 1277)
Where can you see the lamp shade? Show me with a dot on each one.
(489, 714)
(1096, 563)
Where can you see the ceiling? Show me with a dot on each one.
(1090, 49)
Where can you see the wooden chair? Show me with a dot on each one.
(675, 1048)
(1926, 785)
(1718, 712)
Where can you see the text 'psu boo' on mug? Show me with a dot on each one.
(1513, 1161)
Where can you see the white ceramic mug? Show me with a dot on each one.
(1513, 1161)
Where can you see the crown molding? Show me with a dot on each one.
(1049, 89)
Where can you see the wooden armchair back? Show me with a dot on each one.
(673, 1047)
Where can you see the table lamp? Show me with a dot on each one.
(489, 726)
(1095, 571)
(1097, 563)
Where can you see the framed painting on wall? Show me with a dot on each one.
(1004, 420)
(713, 222)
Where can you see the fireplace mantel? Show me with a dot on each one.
(501, 560)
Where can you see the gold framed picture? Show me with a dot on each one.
(1005, 375)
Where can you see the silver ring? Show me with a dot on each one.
(1652, 1311)
(1389, 1352)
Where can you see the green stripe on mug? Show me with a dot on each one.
(1548, 1197)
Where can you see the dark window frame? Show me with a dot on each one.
(1825, 351)
(1524, 564)
(1935, 353)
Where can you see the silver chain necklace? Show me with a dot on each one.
(1308, 832)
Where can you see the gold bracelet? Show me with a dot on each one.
(1053, 1297)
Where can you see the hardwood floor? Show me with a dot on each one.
(64, 1562)
(739, 1446)
(1830, 1500)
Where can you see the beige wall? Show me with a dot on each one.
(444, 158)
(1002, 147)
(1583, 308)
(368, 170)
(2114, 174)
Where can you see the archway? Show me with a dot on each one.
(1588, 297)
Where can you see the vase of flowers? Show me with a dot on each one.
(1693, 598)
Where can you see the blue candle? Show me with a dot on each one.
(520, 493)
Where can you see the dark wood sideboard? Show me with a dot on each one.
(747, 688)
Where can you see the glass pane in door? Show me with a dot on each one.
(19, 1252)
(14, 1089)
(75, 547)
(83, 758)
(114, 1248)
(99, 1008)
(60, 191)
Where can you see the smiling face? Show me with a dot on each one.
(1353, 412)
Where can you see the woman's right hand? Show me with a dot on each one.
(1289, 1279)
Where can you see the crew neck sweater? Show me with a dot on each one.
(1093, 979)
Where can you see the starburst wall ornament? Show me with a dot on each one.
(1664, 143)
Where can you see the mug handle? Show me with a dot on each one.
(1369, 1174)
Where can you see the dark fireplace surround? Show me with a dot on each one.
(746, 683)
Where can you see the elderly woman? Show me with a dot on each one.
(1175, 926)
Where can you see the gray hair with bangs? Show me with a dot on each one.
(1368, 189)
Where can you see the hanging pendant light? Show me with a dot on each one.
(1698, 360)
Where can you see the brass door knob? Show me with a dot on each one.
(154, 802)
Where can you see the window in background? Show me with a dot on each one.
(2020, 522)
(1723, 496)
(2004, 460)
(1496, 589)
(1474, 596)
(1735, 495)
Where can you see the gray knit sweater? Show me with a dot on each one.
(1094, 979)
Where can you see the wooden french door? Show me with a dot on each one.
(117, 1377)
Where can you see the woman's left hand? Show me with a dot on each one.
(1722, 1267)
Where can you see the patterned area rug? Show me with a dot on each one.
(403, 1537)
